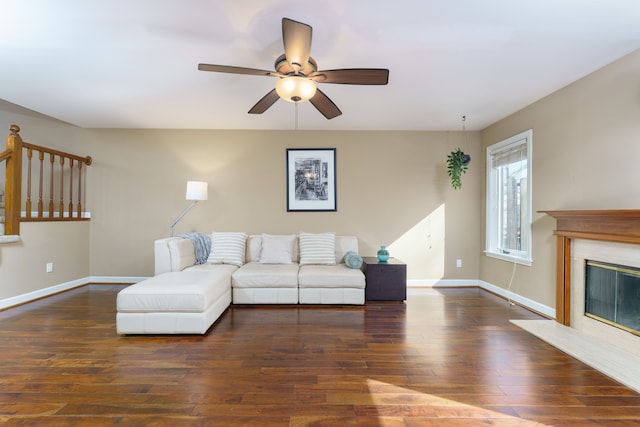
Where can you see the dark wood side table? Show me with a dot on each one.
(386, 281)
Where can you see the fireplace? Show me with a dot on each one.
(610, 238)
(612, 295)
(599, 238)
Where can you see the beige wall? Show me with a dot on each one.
(66, 245)
(23, 263)
(392, 189)
(585, 156)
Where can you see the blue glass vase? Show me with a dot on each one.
(383, 254)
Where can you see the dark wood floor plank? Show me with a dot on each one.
(445, 357)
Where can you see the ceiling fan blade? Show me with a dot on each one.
(296, 37)
(267, 101)
(235, 70)
(353, 76)
(325, 105)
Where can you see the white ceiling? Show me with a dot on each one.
(133, 63)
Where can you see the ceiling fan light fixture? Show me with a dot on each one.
(296, 89)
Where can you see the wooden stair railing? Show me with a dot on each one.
(13, 156)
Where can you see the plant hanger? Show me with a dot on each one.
(458, 161)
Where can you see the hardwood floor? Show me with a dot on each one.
(448, 357)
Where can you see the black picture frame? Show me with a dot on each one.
(311, 180)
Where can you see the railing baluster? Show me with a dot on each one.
(51, 160)
(41, 158)
(61, 203)
(79, 190)
(70, 188)
(28, 204)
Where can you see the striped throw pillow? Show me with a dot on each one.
(317, 248)
(227, 248)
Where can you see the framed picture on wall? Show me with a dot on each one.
(311, 179)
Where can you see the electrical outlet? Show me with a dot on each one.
(49, 267)
(459, 263)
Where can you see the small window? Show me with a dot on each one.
(509, 199)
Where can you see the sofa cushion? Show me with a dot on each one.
(317, 248)
(227, 248)
(256, 275)
(330, 276)
(185, 291)
(201, 245)
(277, 249)
(182, 254)
(345, 244)
(254, 248)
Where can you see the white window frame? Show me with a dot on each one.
(494, 195)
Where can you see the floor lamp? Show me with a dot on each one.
(196, 191)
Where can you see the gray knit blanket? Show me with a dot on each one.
(201, 245)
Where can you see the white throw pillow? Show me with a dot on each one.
(227, 248)
(277, 249)
(317, 248)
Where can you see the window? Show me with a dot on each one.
(509, 199)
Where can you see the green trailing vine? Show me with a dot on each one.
(457, 164)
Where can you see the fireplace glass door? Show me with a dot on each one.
(613, 295)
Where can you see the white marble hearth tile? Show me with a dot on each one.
(616, 363)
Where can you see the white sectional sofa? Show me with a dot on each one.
(186, 297)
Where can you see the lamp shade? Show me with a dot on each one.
(296, 89)
(197, 190)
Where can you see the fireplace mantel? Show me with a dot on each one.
(610, 225)
(621, 226)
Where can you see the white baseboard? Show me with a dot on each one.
(422, 283)
(449, 283)
(520, 300)
(51, 290)
(41, 293)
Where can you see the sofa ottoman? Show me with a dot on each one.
(186, 302)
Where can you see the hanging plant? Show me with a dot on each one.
(457, 164)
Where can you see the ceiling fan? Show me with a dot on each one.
(298, 73)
